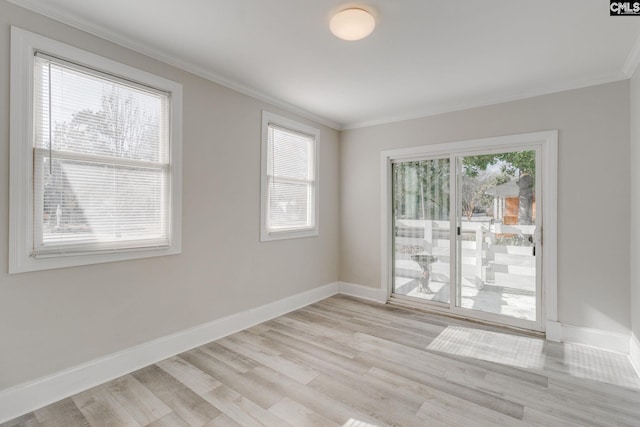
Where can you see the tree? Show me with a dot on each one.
(473, 195)
(122, 128)
(521, 164)
(125, 125)
(421, 189)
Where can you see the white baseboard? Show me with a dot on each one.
(27, 397)
(553, 331)
(634, 352)
(604, 340)
(364, 292)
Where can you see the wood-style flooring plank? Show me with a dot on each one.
(236, 361)
(297, 415)
(242, 410)
(353, 363)
(169, 420)
(28, 420)
(222, 420)
(183, 401)
(64, 413)
(189, 375)
(256, 392)
(328, 406)
(443, 385)
(374, 403)
(289, 343)
(143, 405)
(99, 407)
(319, 341)
(265, 355)
(538, 418)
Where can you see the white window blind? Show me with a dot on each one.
(101, 161)
(290, 180)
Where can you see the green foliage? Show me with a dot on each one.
(521, 164)
(473, 195)
(513, 164)
(421, 189)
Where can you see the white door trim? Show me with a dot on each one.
(548, 143)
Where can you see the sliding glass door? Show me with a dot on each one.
(422, 231)
(492, 250)
(497, 234)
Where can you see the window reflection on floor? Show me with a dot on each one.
(533, 353)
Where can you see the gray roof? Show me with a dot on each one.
(508, 189)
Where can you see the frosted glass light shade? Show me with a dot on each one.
(352, 24)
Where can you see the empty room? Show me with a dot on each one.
(319, 213)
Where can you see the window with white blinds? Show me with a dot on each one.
(101, 163)
(289, 179)
(103, 152)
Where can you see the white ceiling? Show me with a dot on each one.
(424, 57)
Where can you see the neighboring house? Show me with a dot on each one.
(506, 202)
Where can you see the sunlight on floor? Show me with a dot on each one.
(513, 350)
(356, 423)
(592, 363)
(573, 360)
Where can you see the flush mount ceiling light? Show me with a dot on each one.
(352, 24)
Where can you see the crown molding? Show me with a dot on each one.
(490, 100)
(99, 31)
(633, 60)
(631, 63)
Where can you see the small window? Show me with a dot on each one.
(289, 178)
(95, 175)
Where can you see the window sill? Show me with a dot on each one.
(28, 263)
(267, 236)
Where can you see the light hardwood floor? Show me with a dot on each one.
(346, 362)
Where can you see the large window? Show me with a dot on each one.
(463, 228)
(95, 173)
(289, 178)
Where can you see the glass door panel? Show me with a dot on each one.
(496, 234)
(421, 229)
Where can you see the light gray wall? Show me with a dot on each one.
(635, 204)
(593, 188)
(59, 318)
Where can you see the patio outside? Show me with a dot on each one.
(496, 255)
(496, 279)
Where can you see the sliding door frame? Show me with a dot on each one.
(546, 145)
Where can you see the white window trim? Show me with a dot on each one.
(24, 44)
(274, 119)
(547, 141)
